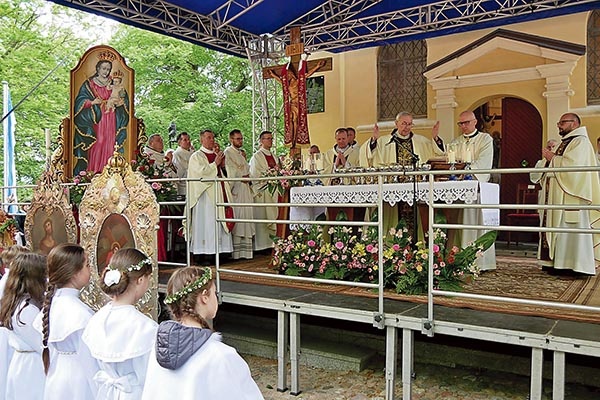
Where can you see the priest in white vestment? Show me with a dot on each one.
(578, 252)
(181, 159)
(154, 150)
(260, 163)
(237, 166)
(341, 156)
(400, 147)
(477, 148)
(207, 164)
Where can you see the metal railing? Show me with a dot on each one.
(421, 176)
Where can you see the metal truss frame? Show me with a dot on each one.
(164, 17)
(335, 25)
(266, 112)
(404, 23)
(231, 10)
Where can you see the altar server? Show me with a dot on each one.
(189, 360)
(68, 363)
(21, 303)
(118, 335)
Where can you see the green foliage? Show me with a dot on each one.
(164, 191)
(345, 256)
(195, 87)
(176, 81)
(80, 184)
(33, 41)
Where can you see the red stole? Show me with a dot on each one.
(270, 161)
(228, 210)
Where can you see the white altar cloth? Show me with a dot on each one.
(468, 192)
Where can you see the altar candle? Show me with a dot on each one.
(451, 157)
(468, 156)
(319, 164)
(48, 141)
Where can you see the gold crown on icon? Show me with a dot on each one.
(107, 56)
(118, 74)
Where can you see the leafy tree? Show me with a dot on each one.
(33, 42)
(176, 81)
(183, 83)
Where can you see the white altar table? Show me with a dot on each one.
(468, 192)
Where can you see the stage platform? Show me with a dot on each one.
(536, 333)
(549, 332)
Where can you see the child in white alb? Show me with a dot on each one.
(6, 351)
(21, 303)
(189, 360)
(67, 361)
(119, 336)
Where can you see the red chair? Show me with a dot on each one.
(526, 194)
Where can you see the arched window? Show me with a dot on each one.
(593, 58)
(401, 84)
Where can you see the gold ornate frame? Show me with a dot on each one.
(50, 203)
(119, 200)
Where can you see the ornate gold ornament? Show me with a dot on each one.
(118, 209)
(49, 220)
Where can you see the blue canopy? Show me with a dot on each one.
(241, 26)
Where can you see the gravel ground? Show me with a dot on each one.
(431, 383)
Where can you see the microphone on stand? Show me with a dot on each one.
(394, 137)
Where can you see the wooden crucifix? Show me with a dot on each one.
(292, 77)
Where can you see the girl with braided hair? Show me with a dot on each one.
(189, 360)
(118, 335)
(6, 352)
(67, 361)
(21, 303)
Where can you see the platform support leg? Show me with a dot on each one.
(295, 352)
(407, 363)
(558, 376)
(282, 349)
(391, 346)
(537, 362)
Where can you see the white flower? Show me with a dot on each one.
(112, 277)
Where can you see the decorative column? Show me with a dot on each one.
(445, 105)
(558, 90)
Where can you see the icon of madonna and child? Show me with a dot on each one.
(101, 114)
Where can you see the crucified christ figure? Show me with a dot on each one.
(294, 100)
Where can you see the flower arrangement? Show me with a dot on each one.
(164, 191)
(355, 258)
(80, 184)
(345, 256)
(406, 265)
(280, 185)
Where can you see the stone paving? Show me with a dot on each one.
(431, 383)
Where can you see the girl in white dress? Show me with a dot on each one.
(67, 361)
(21, 303)
(6, 351)
(118, 335)
(189, 360)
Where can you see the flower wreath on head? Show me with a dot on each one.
(113, 274)
(187, 289)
